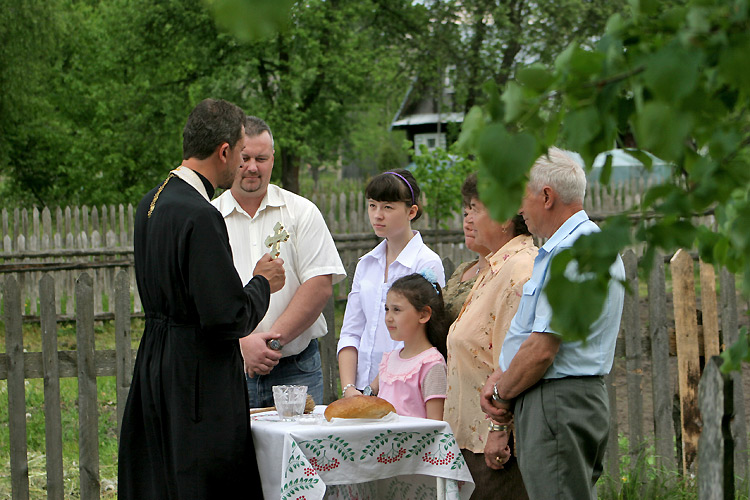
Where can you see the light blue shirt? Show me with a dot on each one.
(534, 313)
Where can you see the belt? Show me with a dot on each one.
(294, 357)
(572, 377)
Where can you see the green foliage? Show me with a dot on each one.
(252, 19)
(441, 174)
(95, 94)
(666, 74)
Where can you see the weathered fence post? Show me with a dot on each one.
(88, 412)
(660, 373)
(613, 445)
(19, 465)
(633, 348)
(52, 412)
(715, 448)
(688, 362)
(124, 355)
(709, 310)
(327, 345)
(730, 333)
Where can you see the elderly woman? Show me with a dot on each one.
(462, 280)
(474, 343)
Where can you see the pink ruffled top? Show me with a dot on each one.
(408, 383)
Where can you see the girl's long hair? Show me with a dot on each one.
(421, 293)
(391, 187)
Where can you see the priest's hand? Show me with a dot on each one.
(272, 270)
(259, 358)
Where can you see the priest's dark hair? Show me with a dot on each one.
(421, 293)
(255, 126)
(395, 185)
(211, 123)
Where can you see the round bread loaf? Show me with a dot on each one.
(359, 407)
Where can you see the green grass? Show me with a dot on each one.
(644, 480)
(641, 481)
(35, 426)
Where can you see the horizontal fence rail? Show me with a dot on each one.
(665, 327)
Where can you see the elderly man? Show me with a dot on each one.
(556, 390)
(251, 210)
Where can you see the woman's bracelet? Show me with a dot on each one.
(494, 427)
(343, 391)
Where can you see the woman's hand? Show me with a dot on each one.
(497, 450)
(351, 391)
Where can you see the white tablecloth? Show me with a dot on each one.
(410, 458)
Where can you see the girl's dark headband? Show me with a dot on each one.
(413, 200)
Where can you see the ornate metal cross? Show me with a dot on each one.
(279, 236)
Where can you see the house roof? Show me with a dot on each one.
(423, 118)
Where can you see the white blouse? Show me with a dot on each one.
(364, 319)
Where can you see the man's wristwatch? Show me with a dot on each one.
(367, 391)
(274, 345)
(497, 397)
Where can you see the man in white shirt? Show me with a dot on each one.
(251, 209)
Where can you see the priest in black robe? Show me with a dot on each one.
(186, 427)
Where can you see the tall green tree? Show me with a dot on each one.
(487, 40)
(29, 127)
(673, 76)
(307, 81)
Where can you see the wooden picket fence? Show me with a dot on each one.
(689, 342)
(99, 240)
(708, 414)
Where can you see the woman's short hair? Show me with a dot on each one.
(469, 189)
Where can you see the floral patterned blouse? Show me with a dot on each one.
(476, 337)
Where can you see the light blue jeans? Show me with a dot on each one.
(299, 369)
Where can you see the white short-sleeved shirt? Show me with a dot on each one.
(364, 319)
(309, 251)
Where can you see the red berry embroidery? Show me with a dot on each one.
(389, 457)
(434, 460)
(324, 464)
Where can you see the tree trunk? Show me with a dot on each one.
(289, 171)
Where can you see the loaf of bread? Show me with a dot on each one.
(359, 407)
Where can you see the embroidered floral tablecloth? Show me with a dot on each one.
(410, 458)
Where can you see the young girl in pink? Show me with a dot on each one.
(413, 379)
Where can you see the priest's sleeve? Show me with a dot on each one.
(226, 309)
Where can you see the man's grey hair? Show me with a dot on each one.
(560, 171)
(255, 126)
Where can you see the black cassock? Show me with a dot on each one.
(186, 427)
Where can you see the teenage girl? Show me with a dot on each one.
(413, 379)
(392, 205)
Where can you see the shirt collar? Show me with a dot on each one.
(517, 244)
(408, 255)
(227, 204)
(563, 231)
(273, 198)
